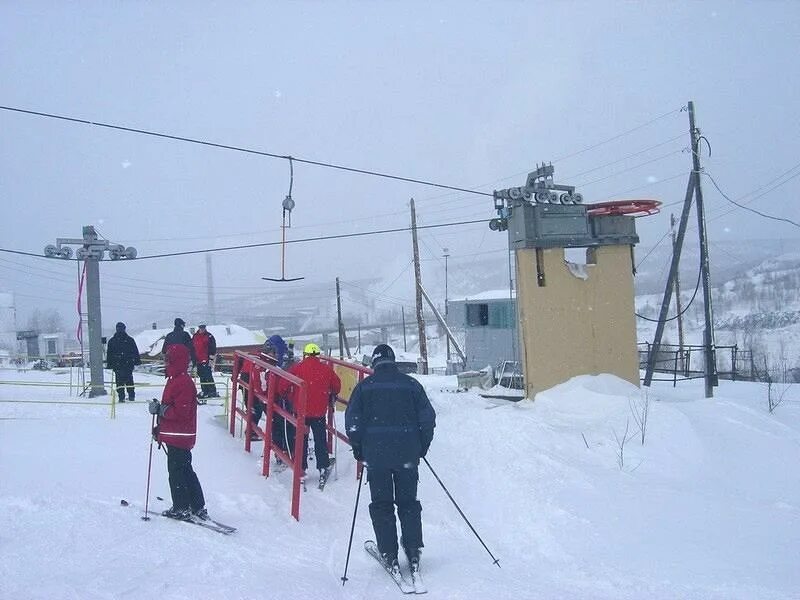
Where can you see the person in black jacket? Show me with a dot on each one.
(179, 336)
(390, 423)
(122, 355)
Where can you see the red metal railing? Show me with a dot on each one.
(296, 416)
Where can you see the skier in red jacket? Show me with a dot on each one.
(177, 429)
(322, 385)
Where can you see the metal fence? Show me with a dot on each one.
(688, 362)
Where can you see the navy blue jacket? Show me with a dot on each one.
(389, 419)
(179, 336)
(122, 353)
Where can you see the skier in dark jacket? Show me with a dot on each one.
(274, 353)
(179, 336)
(122, 355)
(177, 429)
(390, 423)
(205, 350)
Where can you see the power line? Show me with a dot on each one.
(616, 137)
(759, 213)
(265, 244)
(306, 161)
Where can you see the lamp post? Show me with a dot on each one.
(446, 256)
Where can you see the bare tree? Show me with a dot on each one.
(640, 409)
(776, 390)
(621, 441)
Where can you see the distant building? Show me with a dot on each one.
(40, 345)
(489, 323)
(8, 323)
(229, 338)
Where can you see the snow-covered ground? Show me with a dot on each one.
(708, 507)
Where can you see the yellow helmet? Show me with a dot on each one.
(311, 349)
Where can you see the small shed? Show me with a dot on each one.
(489, 322)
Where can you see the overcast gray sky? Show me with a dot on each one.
(466, 94)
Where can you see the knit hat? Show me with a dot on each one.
(120, 326)
(382, 353)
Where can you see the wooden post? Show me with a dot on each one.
(422, 368)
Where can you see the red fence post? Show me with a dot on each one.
(235, 386)
(299, 440)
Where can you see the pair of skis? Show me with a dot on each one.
(414, 586)
(204, 523)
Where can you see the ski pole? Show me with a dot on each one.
(149, 465)
(352, 528)
(463, 516)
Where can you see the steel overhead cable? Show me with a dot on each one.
(321, 163)
(624, 158)
(651, 184)
(623, 134)
(265, 244)
(389, 298)
(618, 173)
(288, 157)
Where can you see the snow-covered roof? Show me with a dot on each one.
(488, 295)
(150, 341)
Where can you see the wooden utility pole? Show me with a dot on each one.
(705, 269)
(693, 190)
(339, 327)
(422, 368)
(678, 303)
(403, 314)
(212, 311)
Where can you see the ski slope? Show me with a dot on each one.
(708, 507)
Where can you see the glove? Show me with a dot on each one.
(357, 453)
(154, 407)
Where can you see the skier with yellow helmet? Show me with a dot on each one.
(322, 383)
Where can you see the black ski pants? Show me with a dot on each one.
(387, 488)
(282, 430)
(208, 388)
(183, 483)
(124, 379)
(317, 426)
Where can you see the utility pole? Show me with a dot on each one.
(91, 250)
(678, 303)
(403, 314)
(446, 256)
(708, 332)
(693, 189)
(339, 318)
(212, 313)
(423, 346)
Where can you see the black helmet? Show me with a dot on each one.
(180, 322)
(120, 326)
(382, 353)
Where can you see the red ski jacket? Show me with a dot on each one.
(204, 344)
(178, 426)
(321, 382)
